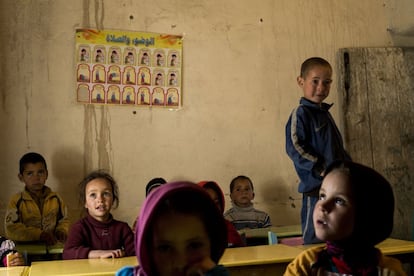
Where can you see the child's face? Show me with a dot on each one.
(34, 176)
(214, 196)
(316, 84)
(99, 198)
(179, 242)
(334, 213)
(242, 193)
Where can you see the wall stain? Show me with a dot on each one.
(85, 16)
(97, 139)
(99, 14)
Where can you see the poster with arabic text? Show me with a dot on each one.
(128, 68)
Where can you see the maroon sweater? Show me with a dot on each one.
(89, 234)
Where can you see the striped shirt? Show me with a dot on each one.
(247, 217)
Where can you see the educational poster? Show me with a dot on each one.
(128, 68)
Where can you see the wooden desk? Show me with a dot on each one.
(399, 249)
(55, 249)
(259, 260)
(14, 271)
(101, 267)
(37, 251)
(281, 231)
(32, 248)
(265, 259)
(38, 248)
(390, 247)
(251, 260)
(259, 236)
(394, 247)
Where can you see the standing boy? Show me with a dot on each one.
(313, 140)
(243, 214)
(37, 213)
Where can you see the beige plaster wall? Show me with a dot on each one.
(241, 59)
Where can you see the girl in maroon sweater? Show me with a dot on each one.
(98, 234)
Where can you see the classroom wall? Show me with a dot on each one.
(241, 59)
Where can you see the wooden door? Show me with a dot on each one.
(376, 90)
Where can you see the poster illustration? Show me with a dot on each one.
(128, 68)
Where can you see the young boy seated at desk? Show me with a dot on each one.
(37, 213)
(243, 214)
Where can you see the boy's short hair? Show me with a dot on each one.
(312, 62)
(31, 158)
(240, 177)
(153, 183)
(374, 202)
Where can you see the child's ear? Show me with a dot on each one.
(20, 176)
(300, 81)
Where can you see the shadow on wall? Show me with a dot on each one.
(67, 169)
(282, 202)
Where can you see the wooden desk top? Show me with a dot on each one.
(394, 246)
(249, 256)
(259, 255)
(389, 247)
(56, 248)
(233, 257)
(38, 248)
(31, 248)
(78, 267)
(281, 231)
(14, 271)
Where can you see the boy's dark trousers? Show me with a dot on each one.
(308, 205)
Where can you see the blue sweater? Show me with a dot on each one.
(313, 141)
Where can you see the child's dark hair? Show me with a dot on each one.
(312, 62)
(214, 186)
(374, 202)
(31, 158)
(95, 175)
(155, 182)
(237, 178)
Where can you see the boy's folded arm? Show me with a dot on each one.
(17, 231)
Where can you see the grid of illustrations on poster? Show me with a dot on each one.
(128, 68)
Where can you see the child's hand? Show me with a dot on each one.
(103, 254)
(200, 267)
(15, 259)
(119, 253)
(48, 238)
